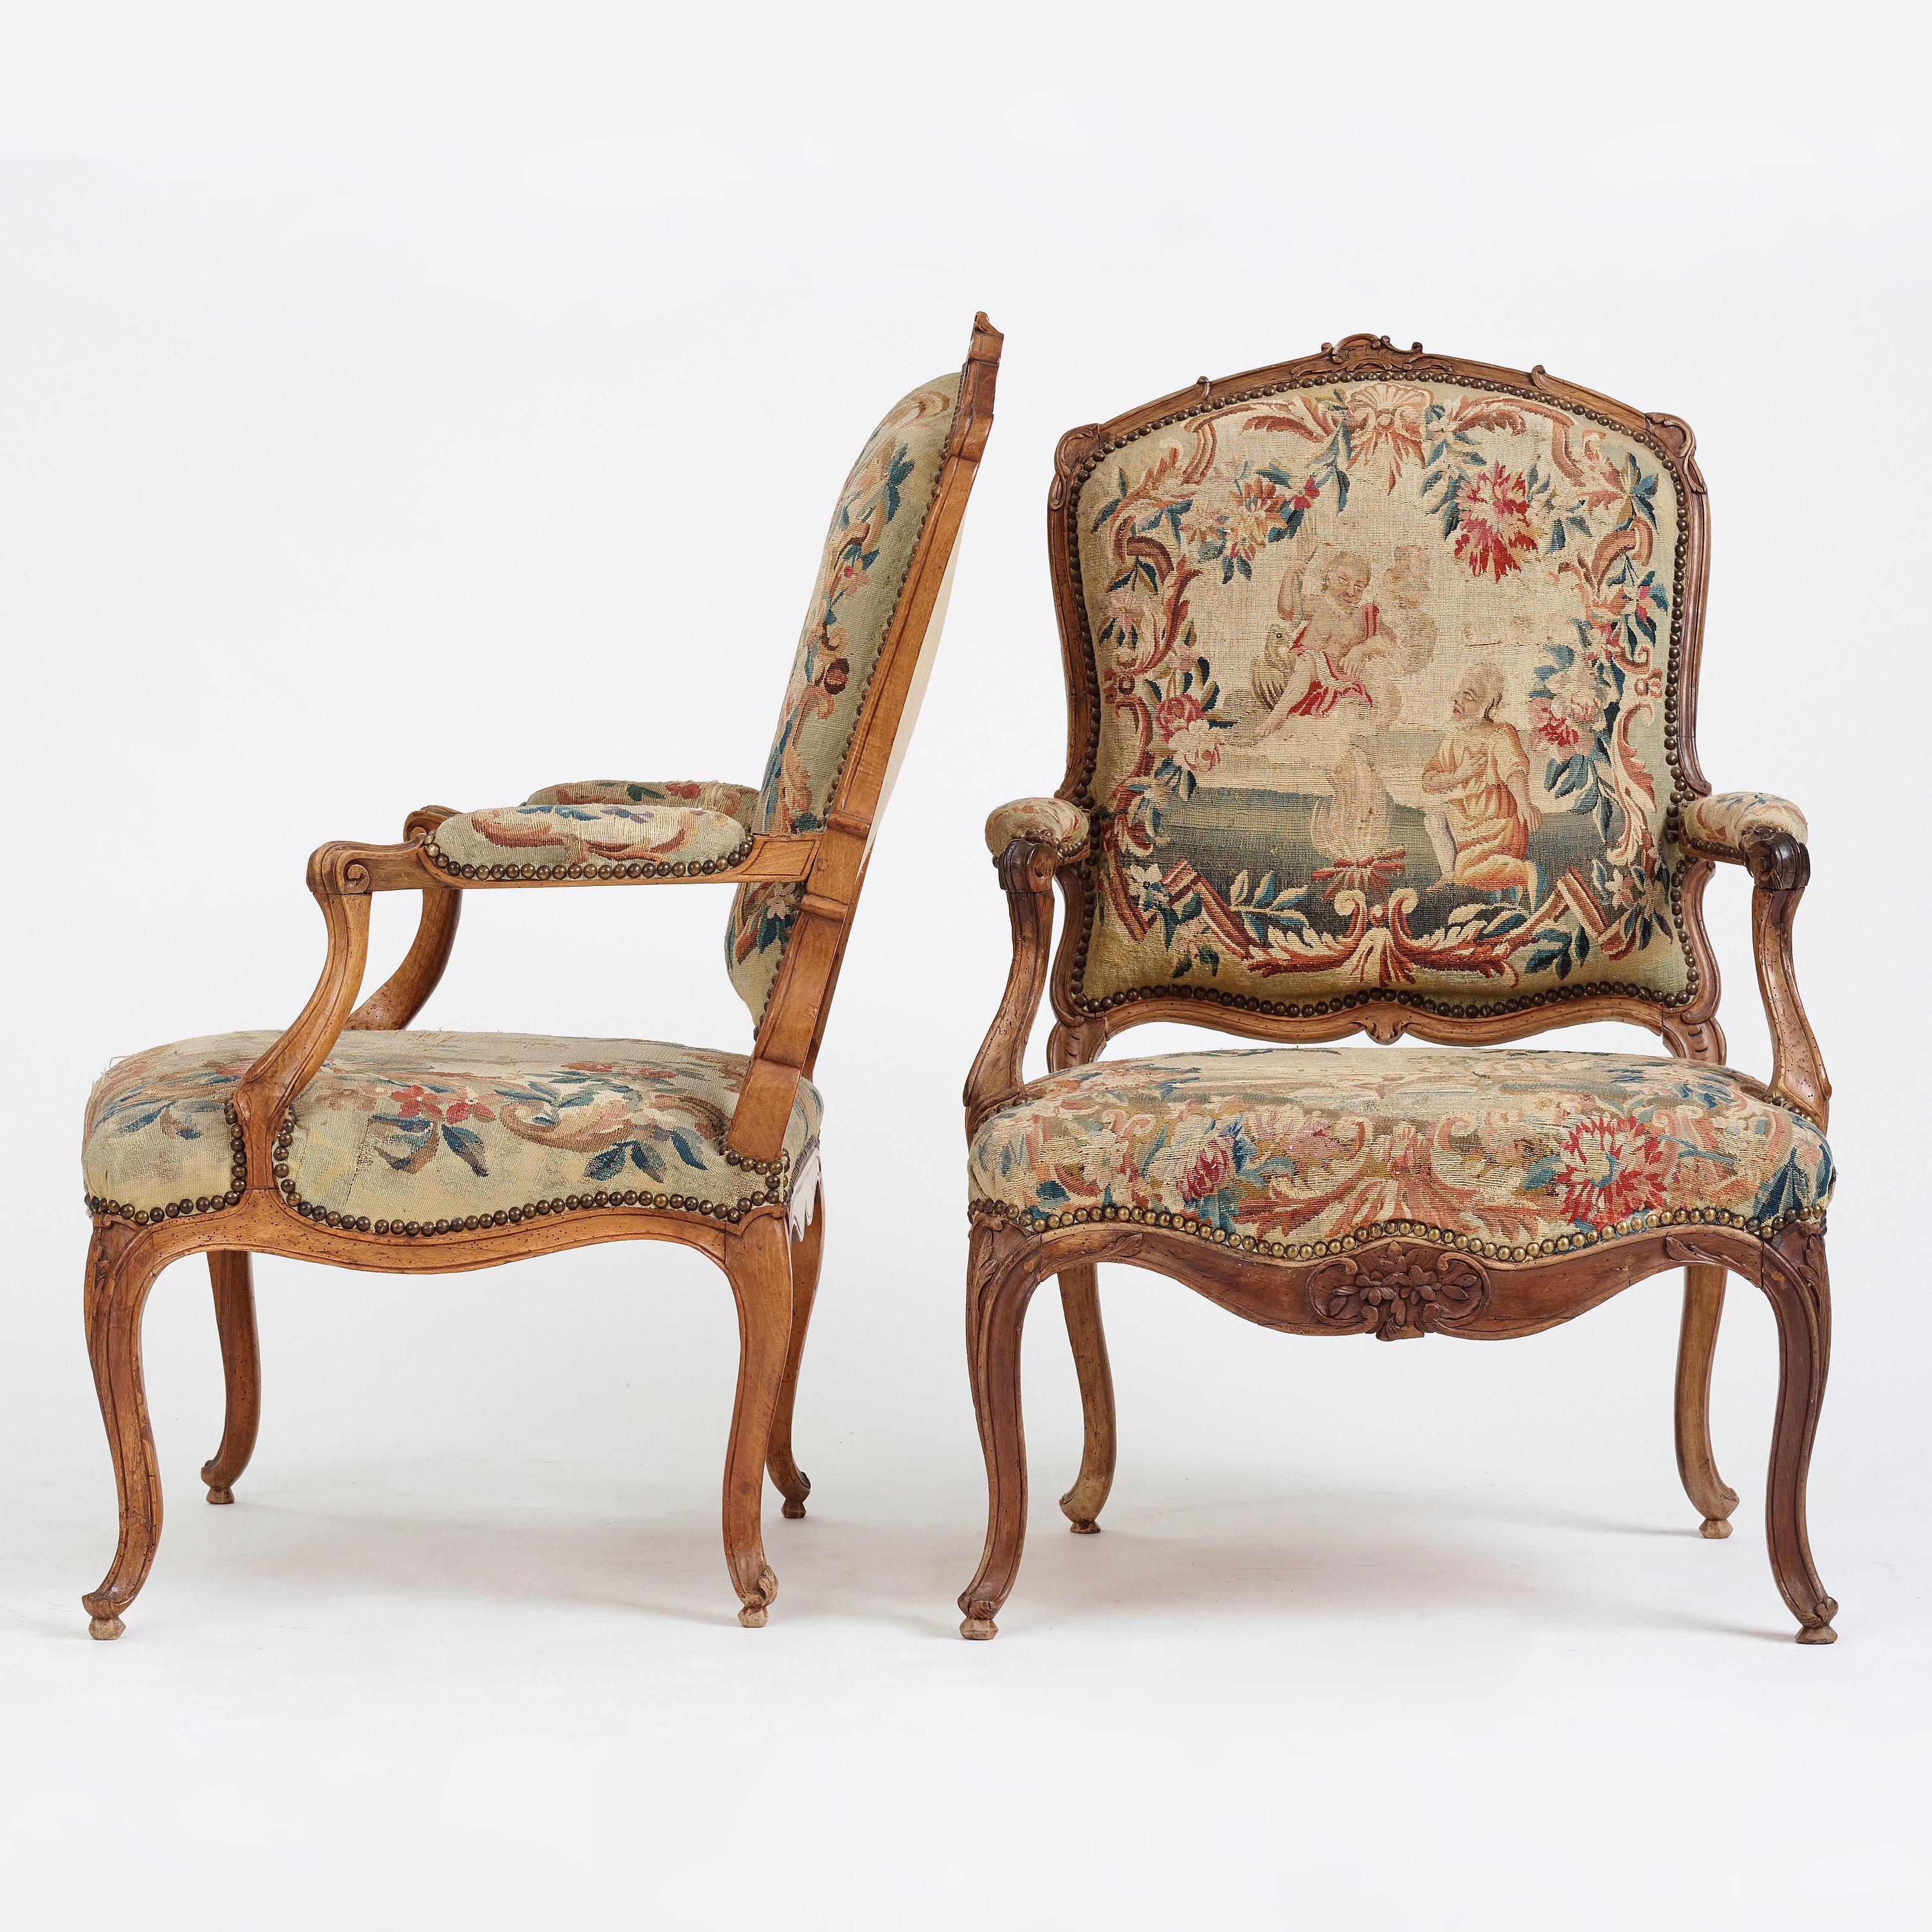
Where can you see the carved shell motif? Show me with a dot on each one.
(1402, 1290)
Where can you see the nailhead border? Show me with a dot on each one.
(1035, 1221)
(629, 868)
(1083, 1003)
(202, 1204)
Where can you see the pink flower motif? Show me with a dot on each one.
(1492, 522)
(1213, 1168)
(1182, 725)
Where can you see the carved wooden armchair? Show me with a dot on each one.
(346, 1139)
(1381, 672)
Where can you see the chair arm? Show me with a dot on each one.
(402, 996)
(1051, 822)
(1027, 866)
(735, 801)
(1716, 826)
(1766, 836)
(609, 836)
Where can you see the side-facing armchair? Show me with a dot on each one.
(349, 1139)
(1381, 670)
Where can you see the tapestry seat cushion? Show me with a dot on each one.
(1291, 1151)
(415, 1133)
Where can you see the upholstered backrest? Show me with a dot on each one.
(868, 551)
(1375, 674)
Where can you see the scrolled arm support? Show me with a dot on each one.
(1780, 868)
(1027, 867)
(401, 997)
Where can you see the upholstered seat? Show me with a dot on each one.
(1296, 1151)
(423, 1133)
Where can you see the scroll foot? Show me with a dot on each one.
(752, 1616)
(105, 1629)
(1079, 1528)
(1715, 1528)
(979, 1628)
(220, 1495)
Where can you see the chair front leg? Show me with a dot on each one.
(999, 1282)
(1696, 1349)
(122, 1263)
(1794, 1278)
(807, 1249)
(757, 1258)
(240, 1371)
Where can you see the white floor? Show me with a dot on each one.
(1374, 1637)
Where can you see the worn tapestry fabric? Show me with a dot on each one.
(735, 801)
(415, 1132)
(1509, 1151)
(1381, 670)
(868, 550)
(590, 834)
(1718, 823)
(1051, 820)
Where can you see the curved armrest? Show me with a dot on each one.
(1027, 866)
(1756, 831)
(1716, 826)
(605, 834)
(1051, 822)
(401, 997)
(735, 801)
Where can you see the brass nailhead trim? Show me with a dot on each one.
(631, 869)
(1035, 1221)
(1474, 1008)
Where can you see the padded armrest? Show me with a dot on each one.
(1719, 824)
(735, 801)
(1051, 822)
(599, 837)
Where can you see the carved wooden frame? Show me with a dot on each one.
(1393, 1283)
(770, 1253)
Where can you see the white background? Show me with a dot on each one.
(409, 403)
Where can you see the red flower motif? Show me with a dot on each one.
(1610, 1167)
(1551, 727)
(1173, 715)
(412, 1101)
(1213, 1168)
(1492, 522)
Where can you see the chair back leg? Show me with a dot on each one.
(240, 1371)
(1696, 1349)
(791, 1482)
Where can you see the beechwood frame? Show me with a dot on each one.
(770, 1253)
(1389, 1285)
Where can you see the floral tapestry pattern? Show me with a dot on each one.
(868, 551)
(421, 1127)
(1506, 1150)
(1381, 668)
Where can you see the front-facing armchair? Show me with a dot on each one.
(351, 1139)
(1379, 667)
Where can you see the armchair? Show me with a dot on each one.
(349, 1139)
(1381, 671)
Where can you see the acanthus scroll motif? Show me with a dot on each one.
(1406, 1290)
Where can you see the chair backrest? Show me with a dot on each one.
(1381, 670)
(869, 632)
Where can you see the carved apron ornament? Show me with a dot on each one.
(1403, 1291)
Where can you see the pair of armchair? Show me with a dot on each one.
(1381, 669)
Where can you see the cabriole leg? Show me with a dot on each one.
(998, 1286)
(793, 1484)
(1080, 1297)
(1697, 1348)
(241, 1370)
(758, 1260)
(121, 1269)
(1795, 1279)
